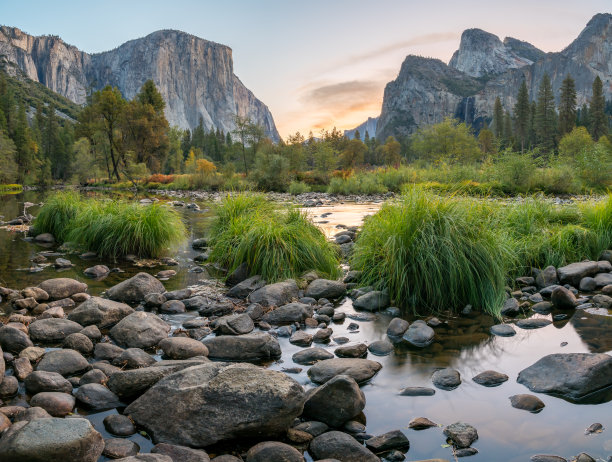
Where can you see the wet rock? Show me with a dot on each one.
(255, 311)
(587, 284)
(503, 330)
(55, 403)
(13, 340)
(107, 351)
(603, 279)
(52, 440)
(533, 323)
(325, 288)
(419, 334)
(118, 448)
(322, 335)
(466, 452)
(165, 274)
(563, 299)
(594, 428)
(290, 313)
(21, 367)
(180, 294)
(301, 338)
(93, 376)
(249, 347)
(53, 330)
(461, 434)
(92, 333)
(154, 300)
(510, 308)
(246, 287)
(391, 440)
(135, 289)
(213, 308)
(97, 272)
(105, 367)
(361, 370)
(313, 427)
(570, 375)
(25, 303)
(65, 362)
(119, 425)
(234, 324)
(133, 358)
(273, 450)
(140, 330)
(340, 446)
(79, 342)
(372, 301)
(221, 402)
(172, 307)
(276, 294)
(147, 458)
(335, 402)
(41, 381)
(311, 355)
(358, 350)
(417, 391)
(97, 397)
(352, 276)
(421, 423)
(542, 307)
(8, 387)
(490, 378)
(59, 288)
(446, 379)
(182, 348)
(181, 453)
(527, 402)
(547, 458)
(584, 457)
(574, 272)
(380, 347)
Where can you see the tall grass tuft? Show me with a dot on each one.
(434, 253)
(111, 228)
(276, 243)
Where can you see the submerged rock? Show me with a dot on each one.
(461, 434)
(503, 330)
(527, 402)
(446, 379)
(490, 378)
(419, 334)
(310, 356)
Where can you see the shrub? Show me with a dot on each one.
(58, 213)
(160, 178)
(298, 187)
(276, 243)
(433, 253)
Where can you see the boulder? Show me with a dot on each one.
(527, 402)
(107, 351)
(490, 378)
(59, 288)
(180, 453)
(290, 313)
(79, 342)
(273, 450)
(140, 330)
(461, 434)
(603, 279)
(310, 356)
(13, 340)
(234, 324)
(510, 308)
(180, 294)
(570, 375)
(120, 425)
(238, 275)
(335, 402)
(381, 347)
(357, 350)
(93, 376)
(533, 323)
(119, 448)
(421, 423)
(53, 330)
(325, 288)
(97, 397)
(547, 277)
(52, 440)
(133, 358)
(340, 446)
(394, 439)
(361, 370)
(255, 346)
(276, 294)
(97, 271)
(172, 307)
(40, 381)
(56, 403)
(574, 272)
(587, 284)
(182, 348)
(372, 301)
(446, 379)
(8, 387)
(64, 362)
(563, 299)
(135, 289)
(503, 330)
(36, 293)
(213, 402)
(99, 312)
(419, 334)
(45, 238)
(301, 338)
(245, 288)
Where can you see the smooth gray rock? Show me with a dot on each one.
(119, 425)
(56, 403)
(172, 307)
(490, 378)
(335, 402)
(290, 313)
(97, 271)
(273, 450)
(107, 351)
(234, 324)
(603, 279)
(587, 284)
(547, 277)
(140, 330)
(13, 340)
(571, 375)
(182, 348)
(533, 323)
(372, 301)
(244, 288)
(461, 434)
(276, 294)
(340, 446)
(213, 402)
(446, 379)
(39, 381)
(394, 439)
(574, 272)
(503, 330)
(510, 308)
(419, 334)
(361, 370)
(357, 350)
(181, 453)
(310, 356)
(255, 346)
(527, 402)
(380, 347)
(79, 342)
(59, 288)
(301, 338)
(135, 289)
(119, 448)
(325, 288)
(97, 397)
(53, 330)
(133, 358)
(563, 299)
(65, 362)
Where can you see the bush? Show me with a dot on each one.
(297, 187)
(433, 253)
(362, 183)
(276, 243)
(111, 228)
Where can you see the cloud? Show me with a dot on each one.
(341, 96)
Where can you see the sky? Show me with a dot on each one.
(319, 63)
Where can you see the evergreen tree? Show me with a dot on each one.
(532, 137)
(583, 116)
(521, 116)
(498, 119)
(599, 121)
(567, 106)
(507, 137)
(545, 121)
(357, 135)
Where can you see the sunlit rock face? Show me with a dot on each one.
(195, 76)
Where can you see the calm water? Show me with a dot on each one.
(505, 434)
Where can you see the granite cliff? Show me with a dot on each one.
(195, 76)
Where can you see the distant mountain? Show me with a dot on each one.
(484, 68)
(195, 76)
(368, 126)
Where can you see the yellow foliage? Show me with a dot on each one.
(205, 166)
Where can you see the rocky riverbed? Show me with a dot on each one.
(189, 369)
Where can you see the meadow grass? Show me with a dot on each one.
(275, 242)
(111, 228)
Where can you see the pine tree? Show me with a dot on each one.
(599, 121)
(521, 116)
(498, 119)
(508, 141)
(357, 135)
(567, 106)
(532, 124)
(545, 121)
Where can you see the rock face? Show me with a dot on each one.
(201, 405)
(572, 375)
(427, 90)
(195, 77)
(51, 440)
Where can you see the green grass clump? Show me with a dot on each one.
(276, 243)
(111, 228)
(434, 253)
(298, 187)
